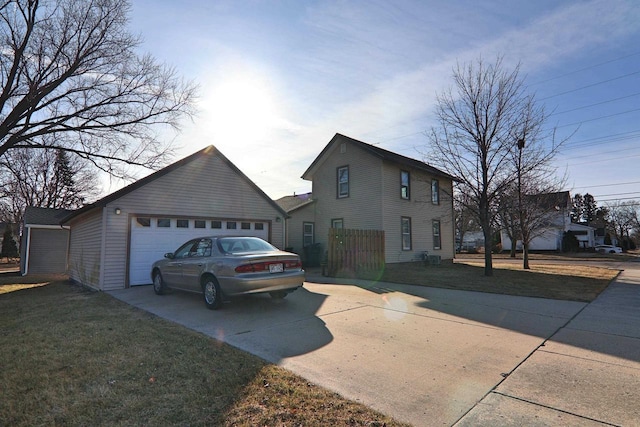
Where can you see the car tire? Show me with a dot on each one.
(211, 293)
(278, 294)
(158, 283)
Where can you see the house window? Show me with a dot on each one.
(231, 225)
(163, 222)
(245, 226)
(307, 233)
(404, 185)
(406, 234)
(343, 181)
(258, 226)
(435, 192)
(182, 223)
(145, 222)
(436, 235)
(200, 223)
(337, 223)
(216, 224)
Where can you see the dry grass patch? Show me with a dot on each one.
(76, 357)
(566, 282)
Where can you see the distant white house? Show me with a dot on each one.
(550, 238)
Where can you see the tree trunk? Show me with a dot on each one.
(525, 257)
(488, 260)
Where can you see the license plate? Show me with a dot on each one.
(275, 268)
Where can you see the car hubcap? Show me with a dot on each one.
(156, 282)
(210, 292)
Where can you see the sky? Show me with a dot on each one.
(278, 79)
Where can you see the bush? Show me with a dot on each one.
(9, 246)
(570, 242)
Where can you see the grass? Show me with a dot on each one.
(555, 281)
(76, 357)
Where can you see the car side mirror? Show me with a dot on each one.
(169, 255)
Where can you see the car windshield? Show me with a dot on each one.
(243, 244)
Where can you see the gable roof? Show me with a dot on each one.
(377, 152)
(559, 200)
(207, 151)
(44, 216)
(291, 203)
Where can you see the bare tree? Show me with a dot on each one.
(47, 178)
(480, 121)
(69, 68)
(623, 218)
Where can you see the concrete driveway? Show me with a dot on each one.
(439, 357)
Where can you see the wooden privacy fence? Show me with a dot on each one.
(353, 251)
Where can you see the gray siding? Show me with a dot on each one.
(47, 250)
(422, 212)
(204, 188)
(363, 208)
(85, 249)
(295, 232)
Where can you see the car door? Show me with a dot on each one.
(193, 266)
(172, 273)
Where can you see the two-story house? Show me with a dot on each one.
(558, 221)
(360, 186)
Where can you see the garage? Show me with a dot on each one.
(152, 237)
(114, 241)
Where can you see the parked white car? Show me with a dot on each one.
(608, 249)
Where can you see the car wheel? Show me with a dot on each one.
(278, 294)
(158, 284)
(612, 252)
(211, 292)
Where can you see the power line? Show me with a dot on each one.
(610, 185)
(591, 85)
(585, 69)
(598, 118)
(596, 104)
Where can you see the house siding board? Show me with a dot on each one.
(362, 209)
(214, 191)
(47, 250)
(85, 249)
(295, 232)
(421, 211)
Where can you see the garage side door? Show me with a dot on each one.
(151, 238)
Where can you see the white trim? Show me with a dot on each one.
(103, 245)
(49, 227)
(26, 255)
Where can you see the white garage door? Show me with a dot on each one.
(152, 237)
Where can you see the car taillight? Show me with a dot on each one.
(292, 264)
(264, 266)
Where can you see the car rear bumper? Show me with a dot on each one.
(263, 282)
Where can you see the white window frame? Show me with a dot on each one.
(342, 181)
(308, 237)
(405, 188)
(435, 192)
(405, 233)
(437, 234)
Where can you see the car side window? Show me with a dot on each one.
(203, 248)
(185, 250)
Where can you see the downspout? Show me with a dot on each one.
(26, 253)
(103, 245)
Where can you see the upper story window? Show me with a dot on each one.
(343, 181)
(435, 192)
(405, 184)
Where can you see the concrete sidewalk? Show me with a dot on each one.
(433, 356)
(586, 374)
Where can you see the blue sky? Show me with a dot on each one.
(279, 78)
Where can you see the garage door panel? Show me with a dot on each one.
(149, 242)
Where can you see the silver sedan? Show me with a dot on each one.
(220, 267)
